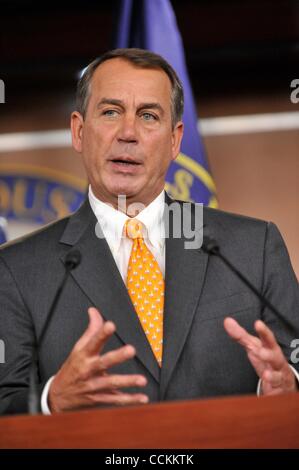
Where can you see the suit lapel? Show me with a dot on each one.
(99, 278)
(185, 274)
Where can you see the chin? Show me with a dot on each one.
(126, 190)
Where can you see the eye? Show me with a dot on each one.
(149, 117)
(110, 113)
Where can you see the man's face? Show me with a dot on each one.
(126, 138)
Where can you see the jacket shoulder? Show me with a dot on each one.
(38, 241)
(229, 218)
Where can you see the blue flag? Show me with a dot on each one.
(151, 24)
(2, 230)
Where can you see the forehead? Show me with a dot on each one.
(120, 78)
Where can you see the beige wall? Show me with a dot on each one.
(258, 175)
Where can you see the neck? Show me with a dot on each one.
(126, 204)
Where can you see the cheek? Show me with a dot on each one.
(94, 145)
(160, 151)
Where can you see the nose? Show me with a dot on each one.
(127, 130)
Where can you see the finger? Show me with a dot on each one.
(273, 357)
(271, 351)
(96, 334)
(257, 363)
(111, 383)
(239, 334)
(120, 399)
(266, 335)
(112, 358)
(98, 340)
(95, 324)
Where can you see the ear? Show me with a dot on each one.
(177, 135)
(77, 124)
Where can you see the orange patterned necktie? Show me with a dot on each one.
(145, 285)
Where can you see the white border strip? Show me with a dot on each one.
(19, 141)
(228, 125)
(252, 123)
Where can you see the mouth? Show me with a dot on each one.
(125, 161)
(125, 165)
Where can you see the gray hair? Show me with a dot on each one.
(140, 58)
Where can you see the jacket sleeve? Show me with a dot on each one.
(18, 340)
(280, 286)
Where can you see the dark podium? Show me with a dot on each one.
(234, 422)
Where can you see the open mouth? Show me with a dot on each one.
(125, 161)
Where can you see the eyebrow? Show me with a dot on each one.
(151, 106)
(110, 101)
(116, 102)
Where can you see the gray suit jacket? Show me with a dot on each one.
(199, 359)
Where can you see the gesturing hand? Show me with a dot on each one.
(84, 380)
(265, 356)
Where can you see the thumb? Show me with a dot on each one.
(96, 322)
(95, 334)
(233, 329)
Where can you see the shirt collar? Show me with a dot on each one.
(152, 218)
(112, 221)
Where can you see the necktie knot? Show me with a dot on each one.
(133, 229)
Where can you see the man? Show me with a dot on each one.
(202, 343)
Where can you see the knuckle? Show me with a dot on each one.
(76, 370)
(83, 375)
(114, 382)
(101, 365)
(84, 372)
(93, 386)
(125, 400)
(92, 398)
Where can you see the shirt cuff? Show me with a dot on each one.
(44, 398)
(259, 385)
